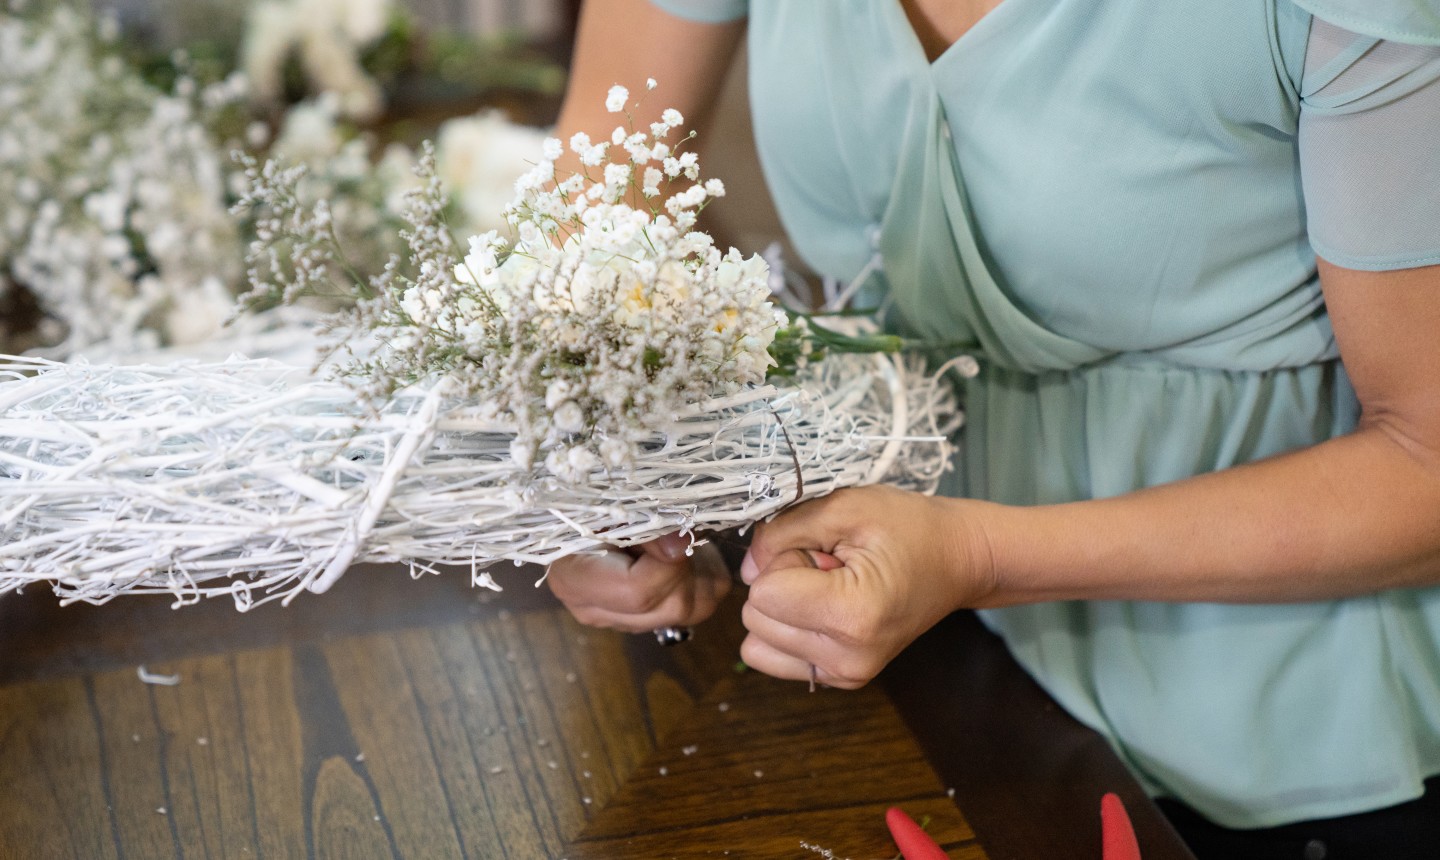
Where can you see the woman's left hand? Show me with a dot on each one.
(844, 583)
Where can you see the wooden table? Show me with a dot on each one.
(423, 719)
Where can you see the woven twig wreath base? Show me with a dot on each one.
(253, 479)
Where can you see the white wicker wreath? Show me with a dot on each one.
(254, 479)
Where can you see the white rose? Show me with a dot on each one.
(674, 283)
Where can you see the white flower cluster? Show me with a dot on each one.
(113, 215)
(607, 314)
(115, 230)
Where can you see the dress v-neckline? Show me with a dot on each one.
(985, 22)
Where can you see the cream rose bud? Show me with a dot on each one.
(747, 280)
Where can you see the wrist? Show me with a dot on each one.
(977, 552)
(969, 553)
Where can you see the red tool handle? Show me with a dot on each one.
(914, 843)
(1117, 835)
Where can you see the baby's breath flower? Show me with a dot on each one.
(616, 98)
(594, 156)
(651, 185)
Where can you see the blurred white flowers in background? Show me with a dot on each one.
(115, 190)
(479, 158)
(113, 197)
(327, 36)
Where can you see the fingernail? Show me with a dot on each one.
(672, 547)
(748, 570)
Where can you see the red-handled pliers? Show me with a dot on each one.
(914, 843)
(1117, 836)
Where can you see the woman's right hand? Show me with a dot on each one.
(650, 586)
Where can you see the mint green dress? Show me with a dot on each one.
(1119, 204)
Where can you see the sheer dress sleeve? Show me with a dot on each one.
(705, 11)
(1370, 149)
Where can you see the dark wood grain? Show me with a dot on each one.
(407, 719)
(41, 638)
(399, 718)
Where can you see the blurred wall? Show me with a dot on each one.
(539, 19)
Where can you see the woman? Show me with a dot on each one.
(1162, 225)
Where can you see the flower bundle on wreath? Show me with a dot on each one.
(605, 377)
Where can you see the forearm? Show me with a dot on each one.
(1356, 514)
(627, 42)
